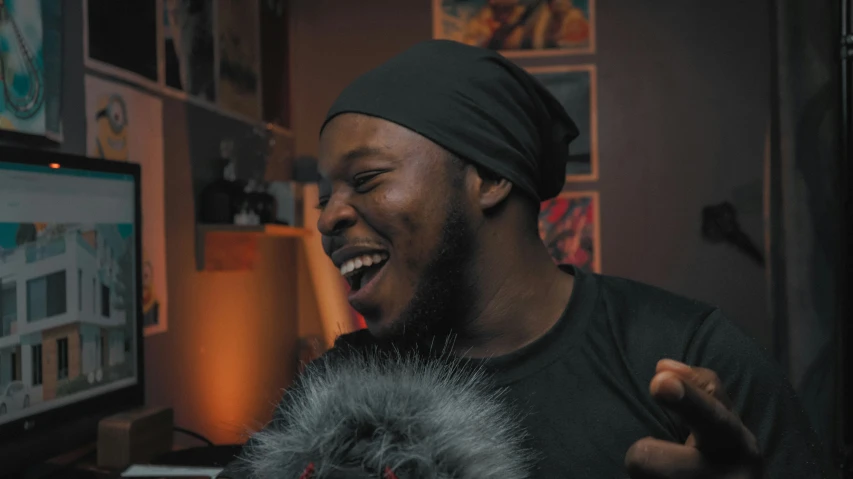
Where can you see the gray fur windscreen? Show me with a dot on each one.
(422, 418)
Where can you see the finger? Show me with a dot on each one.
(704, 379)
(716, 428)
(651, 458)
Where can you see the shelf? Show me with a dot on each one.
(264, 230)
(234, 247)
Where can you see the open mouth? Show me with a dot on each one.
(360, 270)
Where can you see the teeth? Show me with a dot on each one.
(362, 261)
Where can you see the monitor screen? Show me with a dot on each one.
(67, 287)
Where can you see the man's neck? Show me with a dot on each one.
(521, 296)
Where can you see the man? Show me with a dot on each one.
(435, 164)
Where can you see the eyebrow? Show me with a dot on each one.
(362, 152)
(353, 155)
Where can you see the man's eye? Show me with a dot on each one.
(321, 204)
(360, 180)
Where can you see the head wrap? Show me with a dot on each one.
(474, 103)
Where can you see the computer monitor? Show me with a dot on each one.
(70, 301)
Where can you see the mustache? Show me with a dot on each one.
(333, 243)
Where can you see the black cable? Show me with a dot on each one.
(195, 435)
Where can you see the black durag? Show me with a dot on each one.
(474, 103)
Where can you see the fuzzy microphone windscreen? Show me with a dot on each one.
(391, 415)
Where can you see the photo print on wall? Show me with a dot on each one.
(122, 41)
(518, 28)
(575, 88)
(569, 226)
(124, 124)
(31, 67)
(188, 47)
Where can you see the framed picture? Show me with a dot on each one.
(238, 57)
(124, 42)
(518, 28)
(126, 124)
(569, 227)
(575, 87)
(31, 68)
(189, 47)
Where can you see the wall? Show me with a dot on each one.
(230, 347)
(683, 110)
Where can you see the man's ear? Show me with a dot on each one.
(491, 190)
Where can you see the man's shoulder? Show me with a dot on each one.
(648, 321)
(644, 299)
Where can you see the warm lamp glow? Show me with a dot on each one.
(54, 165)
(225, 375)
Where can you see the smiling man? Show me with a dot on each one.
(434, 167)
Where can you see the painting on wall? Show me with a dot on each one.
(275, 63)
(569, 226)
(518, 27)
(189, 47)
(124, 124)
(31, 67)
(575, 88)
(122, 41)
(239, 87)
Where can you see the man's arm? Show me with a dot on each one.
(761, 396)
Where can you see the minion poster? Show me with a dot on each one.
(30, 66)
(124, 124)
(569, 226)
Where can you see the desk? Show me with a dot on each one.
(82, 464)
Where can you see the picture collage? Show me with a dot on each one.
(553, 40)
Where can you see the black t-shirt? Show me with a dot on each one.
(583, 388)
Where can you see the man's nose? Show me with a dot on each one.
(337, 216)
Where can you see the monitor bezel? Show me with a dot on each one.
(30, 440)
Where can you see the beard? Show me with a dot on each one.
(440, 308)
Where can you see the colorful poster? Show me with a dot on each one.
(574, 87)
(518, 27)
(239, 87)
(124, 124)
(122, 41)
(569, 226)
(31, 66)
(188, 47)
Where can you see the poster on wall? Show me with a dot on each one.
(124, 124)
(188, 47)
(239, 87)
(569, 226)
(31, 67)
(122, 41)
(575, 88)
(518, 27)
(275, 63)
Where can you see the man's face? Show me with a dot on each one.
(394, 220)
